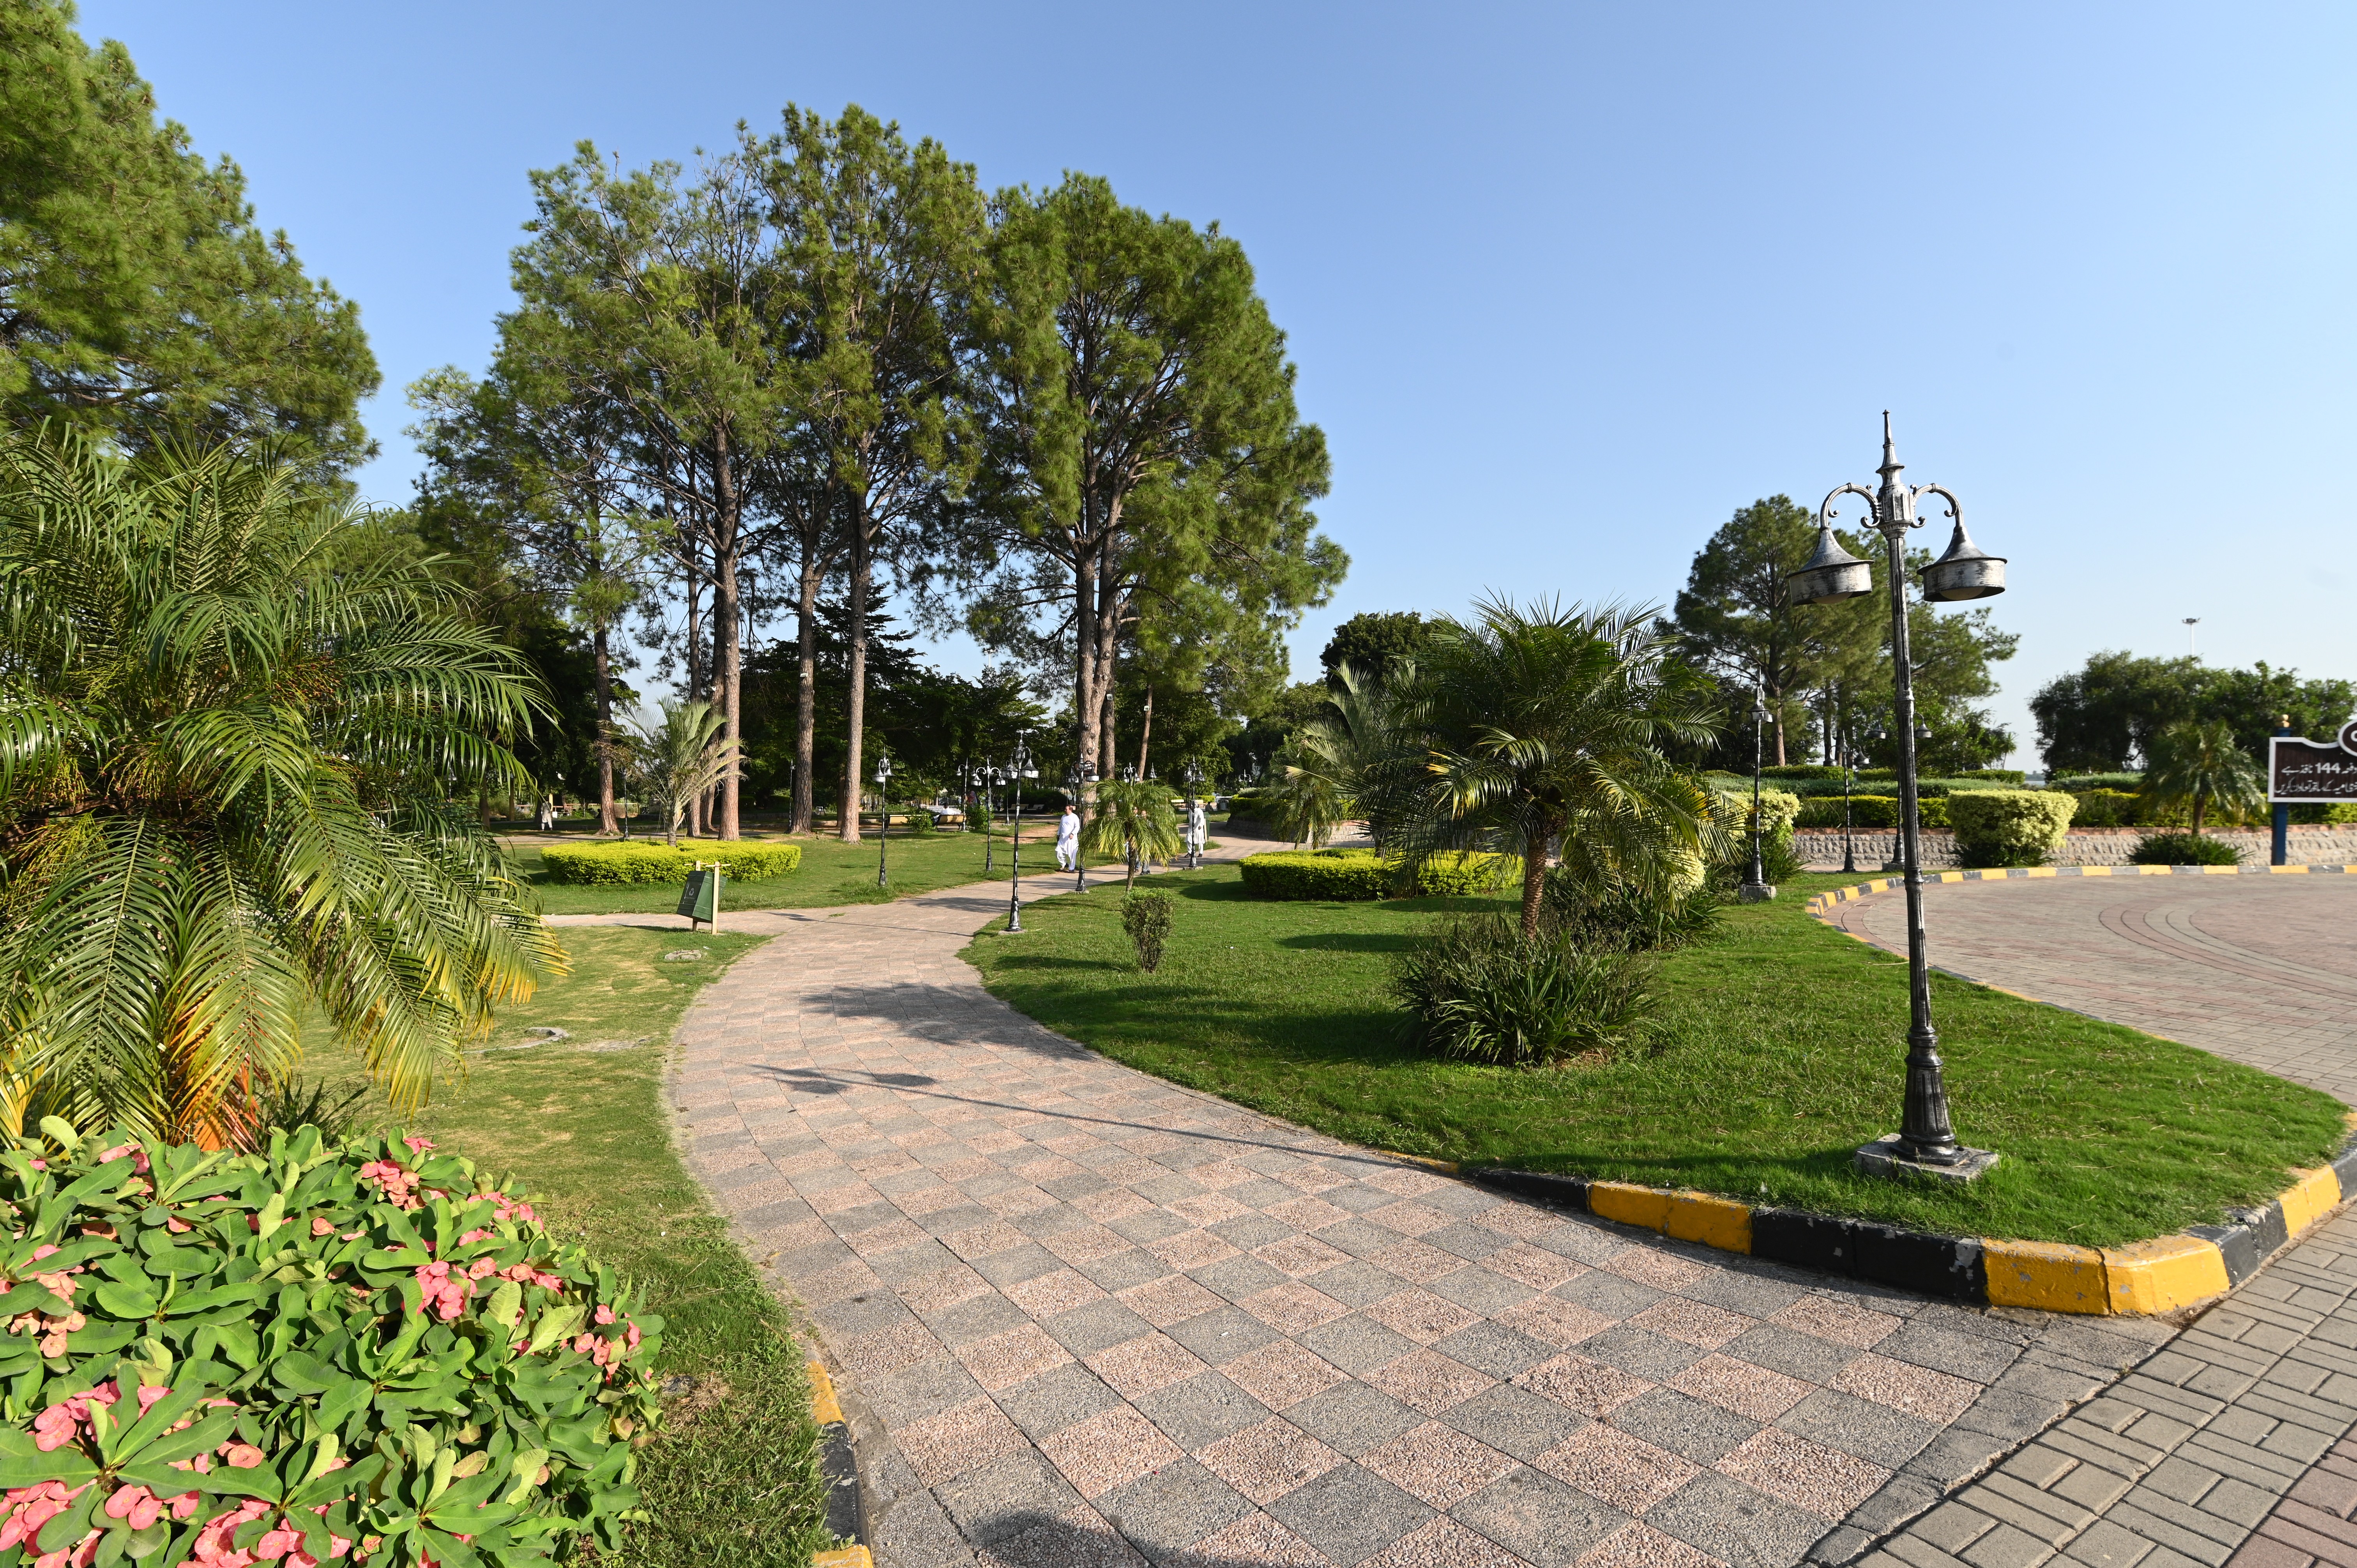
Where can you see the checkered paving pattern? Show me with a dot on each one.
(1098, 1318)
(2259, 970)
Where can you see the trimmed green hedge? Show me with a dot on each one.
(1348, 875)
(628, 864)
(1824, 811)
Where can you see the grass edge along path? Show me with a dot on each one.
(584, 1126)
(1779, 1048)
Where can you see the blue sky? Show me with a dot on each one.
(1566, 285)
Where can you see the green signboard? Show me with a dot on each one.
(700, 899)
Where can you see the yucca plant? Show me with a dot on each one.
(2200, 764)
(681, 757)
(1132, 819)
(228, 766)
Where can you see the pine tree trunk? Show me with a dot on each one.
(727, 615)
(855, 699)
(806, 689)
(1146, 732)
(608, 820)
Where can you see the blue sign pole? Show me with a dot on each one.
(2279, 850)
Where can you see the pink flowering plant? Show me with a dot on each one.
(369, 1354)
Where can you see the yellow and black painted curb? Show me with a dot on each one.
(846, 1514)
(2144, 1278)
(1822, 903)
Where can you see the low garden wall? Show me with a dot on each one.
(2332, 845)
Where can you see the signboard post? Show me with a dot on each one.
(2302, 772)
(700, 899)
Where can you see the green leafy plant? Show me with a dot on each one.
(226, 760)
(2106, 809)
(683, 756)
(293, 1103)
(1631, 918)
(2183, 849)
(628, 864)
(369, 1349)
(1146, 918)
(1476, 987)
(2201, 764)
(1346, 874)
(2009, 827)
(1823, 812)
(920, 822)
(2344, 811)
(1131, 818)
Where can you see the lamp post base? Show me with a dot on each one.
(1755, 893)
(1887, 1156)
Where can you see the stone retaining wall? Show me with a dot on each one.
(2332, 845)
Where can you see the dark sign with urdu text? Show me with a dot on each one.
(2312, 771)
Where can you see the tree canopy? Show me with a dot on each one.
(2110, 711)
(137, 297)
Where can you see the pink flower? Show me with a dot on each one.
(213, 1549)
(29, 1507)
(136, 1506)
(321, 1226)
(134, 1150)
(472, 1237)
(241, 1456)
(418, 1145)
(605, 1314)
(148, 1396)
(178, 1226)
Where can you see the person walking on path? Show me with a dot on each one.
(1197, 827)
(1067, 838)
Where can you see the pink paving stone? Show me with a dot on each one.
(1191, 1248)
(1309, 1179)
(1839, 1321)
(1627, 1472)
(835, 1199)
(1525, 1221)
(1640, 1545)
(1804, 1474)
(1406, 1180)
(1108, 1451)
(1084, 1243)
(794, 1238)
(1554, 1320)
(1935, 1396)
(1051, 1294)
(1418, 1261)
(1741, 1387)
(1692, 1323)
(982, 1241)
(1221, 1174)
(922, 1138)
(1588, 1387)
(888, 1349)
(1420, 1315)
(1444, 1543)
(1306, 1213)
(1173, 1298)
(929, 1200)
(1047, 1168)
(1429, 1382)
(1281, 1374)
(1267, 1461)
(994, 1141)
(1437, 1465)
(1208, 1208)
(1135, 1368)
(1112, 1203)
(1004, 1360)
(853, 1278)
(889, 1237)
(965, 1169)
(961, 1439)
(1409, 1218)
(1293, 1307)
(1259, 1542)
(1533, 1266)
(1016, 1201)
(942, 1289)
(1299, 1255)
(1662, 1270)
(876, 1168)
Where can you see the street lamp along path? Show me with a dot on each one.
(1925, 1144)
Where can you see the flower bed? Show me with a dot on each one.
(624, 865)
(369, 1353)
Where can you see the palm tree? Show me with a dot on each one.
(2199, 763)
(1545, 723)
(228, 764)
(1349, 759)
(681, 757)
(1133, 820)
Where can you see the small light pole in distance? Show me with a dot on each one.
(884, 809)
(1191, 775)
(1755, 888)
(1017, 770)
(1083, 775)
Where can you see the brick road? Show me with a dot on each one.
(2260, 970)
(1081, 1316)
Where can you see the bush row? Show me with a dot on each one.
(1345, 875)
(1869, 811)
(307, 1354)
(626, 865)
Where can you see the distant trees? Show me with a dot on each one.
(137, 298)
(2110, 713)
(1374, 640)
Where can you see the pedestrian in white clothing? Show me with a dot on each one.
(1068, 839)
(1196, 826)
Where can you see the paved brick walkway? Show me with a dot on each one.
(2207, 1453)
(1083, 1315)
(2260, 970)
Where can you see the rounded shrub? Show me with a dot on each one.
(1476, 988)
(302, 1355)
(2009, 827)
(2184, 849)
(2108, 809)
(623, 865)
(1347, 875)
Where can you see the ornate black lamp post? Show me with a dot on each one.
(884, 809)
(1190, 775)
(1083, 775)
(1849, 776)
(1926, 1139)
(1018, 769)
(1755, 888)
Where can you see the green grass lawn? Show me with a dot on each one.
(735, 1479)
(831, 873)
(1778, 1049)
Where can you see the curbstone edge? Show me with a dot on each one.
(846, 1509)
